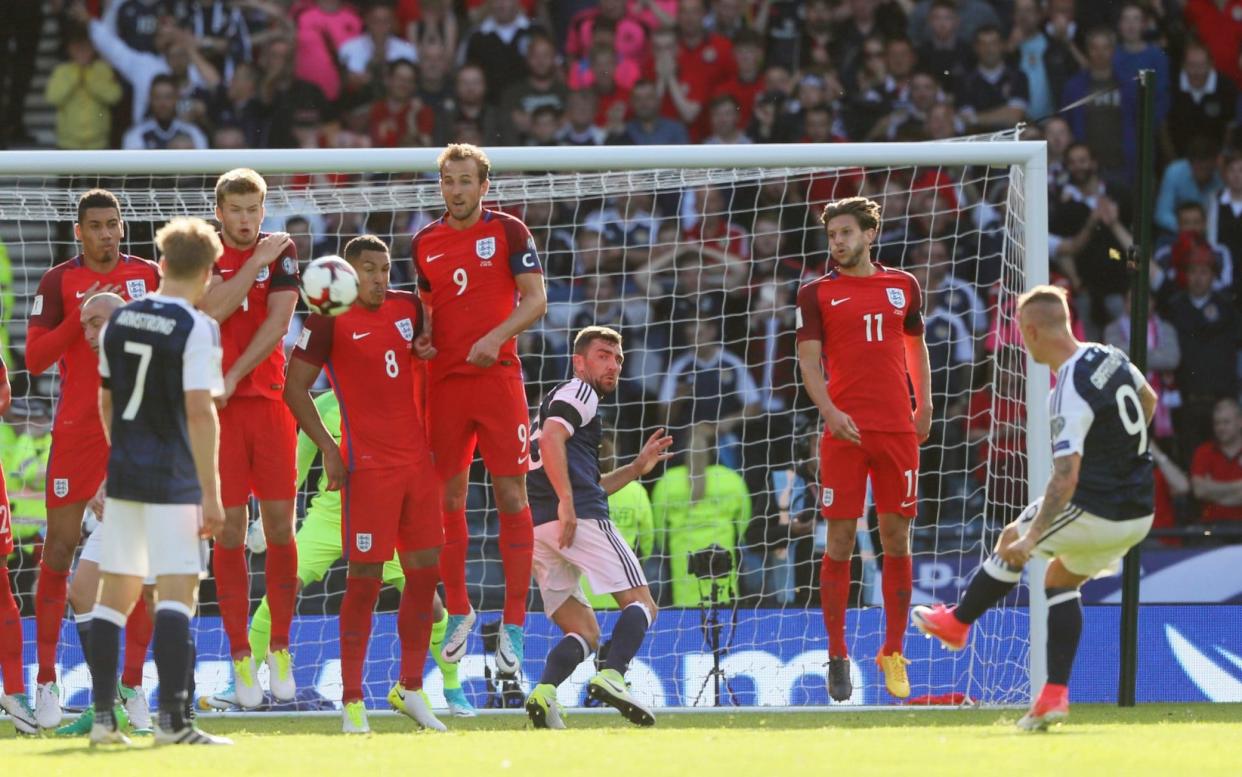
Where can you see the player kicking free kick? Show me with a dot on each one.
(160, 368)
(1097, 505)
(573, 533)
(864, 322)
(391, 495)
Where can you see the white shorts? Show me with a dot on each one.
(91, 550)
(142, 540)
(1087, 544)
(598, 551)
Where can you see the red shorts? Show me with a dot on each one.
(258, 451)
(76, 467)
(390, 509)
(892, 460)
(6, 522)
(487, 410)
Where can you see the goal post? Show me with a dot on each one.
(771, 638)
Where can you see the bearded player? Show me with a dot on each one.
(252, 297)
(863, 323)
(78, 462)
(391, 496)
(13, 701)
(479, 273)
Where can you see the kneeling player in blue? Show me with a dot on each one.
(574, 536)
(1097, 505)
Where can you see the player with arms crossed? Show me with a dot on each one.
(391, 492)
(14, 701)
(319, 547)
(573, 534)
(160, 365)
(253, 295)
(480, 275)
(78, 462)
(1096, 506)
(862, 323)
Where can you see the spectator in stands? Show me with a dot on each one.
(323, 26)
(236, 104)
(542, 87)
(366, 57)
(865, 19)
(723, 113)
(1111, 112)
(399, 118)
(683, 98)
(83, 90)
(428, 22)
(703, 58)
(628, 220)
(648, 127)
(1168, 267)
(972, 15)
(1060, 137)
(282, 93)
(694, 506)
(160, 130)
(865, 102)
(611, 99)
(177, 54)
(1135, 53)
(222, 32)
(900, 60)
(945, 52)
(1204, 103)
(1191, 179)
(747, 83)
(21, 29)
(911, 114)
(25, 443)
(580, 128)
(815, 44)
(994, 95)
(1046, 61)
(726, 19)
(1164, 354)
(776, 556)
(1220, 29)
(780, 21)
(1224, 219)
(435, 87)
(498, 45)
(708, 384)
(1091, 220)
(1216, 471)
(545, 125)
(469, 108)
(1209, 334)
(137, 22)
(629, 35)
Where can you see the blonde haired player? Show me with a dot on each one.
(252, 295)
(1096, 506)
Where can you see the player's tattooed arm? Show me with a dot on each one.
(300, 377)
(1057, 495)
(532, 304)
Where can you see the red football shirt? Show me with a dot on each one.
(236, 331)
(467, 279)
(862, 323)
(59, 300)
(369, 359)
(1210, 461)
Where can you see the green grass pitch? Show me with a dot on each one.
(1166, 740)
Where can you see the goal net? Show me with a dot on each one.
(695, 255)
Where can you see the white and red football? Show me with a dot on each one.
(329, 285)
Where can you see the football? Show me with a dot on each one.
(329, 285)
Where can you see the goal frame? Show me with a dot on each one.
(1030, 156)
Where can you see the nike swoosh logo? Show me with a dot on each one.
(81, 294)
(360, 335)
(836, 302)
(909, 504)
(522, 459)
(433, 257)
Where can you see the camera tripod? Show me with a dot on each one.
(712, 628)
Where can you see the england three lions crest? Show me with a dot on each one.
(136, 288)
(406, 328)
(485, 247)
(897, 297)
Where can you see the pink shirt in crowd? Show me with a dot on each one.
(317, 30)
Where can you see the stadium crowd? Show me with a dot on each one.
(703, 285)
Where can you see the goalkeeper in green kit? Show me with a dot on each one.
(319, 547)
